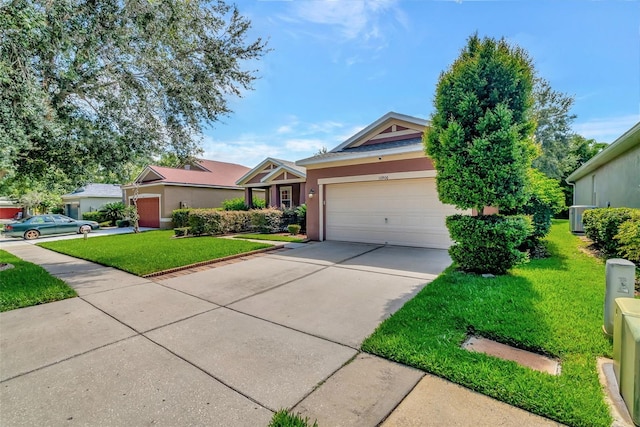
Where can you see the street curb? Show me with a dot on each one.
(212, 261)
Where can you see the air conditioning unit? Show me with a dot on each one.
(575, 217)
(626, 353)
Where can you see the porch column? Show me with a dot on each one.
(248, 197)
(303, 193)
(273, 196)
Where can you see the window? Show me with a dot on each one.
(285, 197)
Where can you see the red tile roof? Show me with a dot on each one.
(219, 174)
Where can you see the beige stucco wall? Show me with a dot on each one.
(196, 197)
(617, 183)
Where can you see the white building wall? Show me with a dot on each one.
(616, 184)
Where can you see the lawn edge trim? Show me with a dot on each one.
(208, 262)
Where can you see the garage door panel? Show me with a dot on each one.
(149, 212)
(397, 212)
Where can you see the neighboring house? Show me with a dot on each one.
(201, 184)
(377, 187)
(89, 198)
(612, 177)
(9, 208)
(281, 182)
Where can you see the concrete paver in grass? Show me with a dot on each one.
(421, 263)
(436, 402)
(133, 382)
(325, 253)
(149, 305)
(38, 336)
(242, 279)
(339, 304)
(362, 393)
(272, 364)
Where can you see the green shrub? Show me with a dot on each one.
(258, 203)
(105, 224)
(181, 231)
(628, 238)
(214, 221)
(601, 226)
(488, 244)
(266, 220)
(57, 210)
(96, 216)
(123, 223)
(289, 216)
(236, 204)
(180, 218)
(301, 211)
(293, 229)
(113, 212)
(284, 418)
(545, 198)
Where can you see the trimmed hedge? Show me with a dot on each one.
(628, 238)
(96, 216)
(294, 229)
(489, 243)
(215, 221)
(603, 224)
(180, 218)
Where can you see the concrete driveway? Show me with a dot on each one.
(224, 346)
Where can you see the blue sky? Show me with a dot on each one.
(338, 65)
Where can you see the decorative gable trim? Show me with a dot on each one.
(284, 174)
(149, 175)
(268, 171)
(391, 125)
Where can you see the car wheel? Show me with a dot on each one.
(84, 229)
(31, 234)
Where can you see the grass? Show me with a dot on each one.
(553, 306)
(151, 251)
(28, 284)
(284, 418)
(272, 237)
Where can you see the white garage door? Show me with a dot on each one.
(398, 212)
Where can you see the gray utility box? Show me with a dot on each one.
(621, 276)
(626, 353)
(575, 217)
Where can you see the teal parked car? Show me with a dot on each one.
(42, 225)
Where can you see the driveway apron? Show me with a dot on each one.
(224, 346)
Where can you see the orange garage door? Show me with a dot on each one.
(149, 212)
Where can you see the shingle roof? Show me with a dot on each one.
(97, 190)
(383, 146)
(218, 174)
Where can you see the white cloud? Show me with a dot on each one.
(606, 129)
(293, 140)
(304, 145)
(365, 20)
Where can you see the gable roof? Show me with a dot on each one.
(626, 142)
(278, 166)
(392, 133)
(96, 190)
(215, 174)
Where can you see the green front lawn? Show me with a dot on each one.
(272, 237)
(151, 251)
(28, 284)
(553, 306)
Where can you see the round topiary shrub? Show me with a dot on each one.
(488, 244)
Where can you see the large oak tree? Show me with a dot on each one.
(90, 85)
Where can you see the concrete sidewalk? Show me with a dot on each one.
(229, 345)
